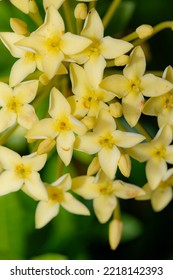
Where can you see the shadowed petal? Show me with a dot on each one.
(73, 205)
(45, 212)
(9, 182)
(104, 207)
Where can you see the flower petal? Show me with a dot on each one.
(87, 143)
(45, 212)
(125, 190)
(72, 44)
(9, 158)
(9, 182)
(34, 161)
(85, 187)
(117, 84)
(93, 26)
(42, 129)
(59, 106)
(136, 67)
(27, 116)
(127, 139)
(161, 198)
(35, 186)
(64, 182)
(7, 117)
(5, 94)
(26, 91)
(105, 122)
(65, 142)
(9, 39)
(73, 205)
(104, 206)
(155, 170)
(111, 48)
(154, 86)
(51, 62)
(108, 159)
(115, 233)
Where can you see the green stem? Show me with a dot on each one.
(130, 37)
(143, 131)
(60, 167)
(66, 8)
(110, 12)
(157, 28)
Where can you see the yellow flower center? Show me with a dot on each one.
(106, 141)
(55, 194)
(22, 171)
(63, 124)
(52, 43)
(106, 188)
(14, 104)
(94, 47)
(134, 86)
(87, 102)
(159, 152)
(168, 100)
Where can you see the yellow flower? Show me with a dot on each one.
(107, 142)
(52, 44)
(15, 107)
(162, 106)
(162, 195)
(59, 195)
(89, 98)
(62, 126)
(104, 193)
(25, 6)
(157, 153)
(134, 85)
(22, 171)
(56, 3)
(28, 61)
(102, 47)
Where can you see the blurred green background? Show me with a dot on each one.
(146, 235)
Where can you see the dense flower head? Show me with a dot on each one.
(81, 96)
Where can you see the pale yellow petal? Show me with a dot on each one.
(153, 106)
(155, 170)
(117, 84)
(26, 91)
(34, 161)
(72, 44)
(164, 136)
(80, 83)
(108, 159)
(85, 187)
(45, 212)
(165, 117)
(5, 94)
(93, 27)
(9, 182)
(16, 75)
(36, 187)
(132, 107)
(42, 129)
(65, 142)
(126, 191)
(64, 182)
(51, 62)
(73, 205)
(56, 3)
(115, 233)
(58, 106)
(78, 127)
(161, 197)
(7, 117)
(27, 116)
(169, 154)
(104, 206)
(136, 66)
(9, 39)
(9, 158)
(21, 5)
(105, 122)
(111, 48)
(127, 139)
(87, 143)
(154, 86)
(168, 74)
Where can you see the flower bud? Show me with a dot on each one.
(45, 146)
(80, 11)
(33, 7)
(121, 60)
(124, 165)
(115, 232)
(93, 167)
(116, 109)
(144, 31)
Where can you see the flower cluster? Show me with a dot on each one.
(93, 109)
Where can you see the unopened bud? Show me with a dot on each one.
(121, 60)
(33, 7)
(93, 167)
(46, 146)
(89, 122)
(124, 165)
(80, 11)
(115, 109)
(115, 233)
(18, 26)
(144, 31)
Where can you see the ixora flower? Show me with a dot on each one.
(59, 195)
(162, 106)
(134, 85)
(22, 171)
(15, 107)
(102, 47)
(157, 153)
(107, 142)
(162, 195)
(62, 126)
(88, 98)
(52, 44)
(104, 193)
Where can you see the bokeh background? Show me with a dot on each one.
(146, 234)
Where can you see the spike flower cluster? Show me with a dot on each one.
(93, 109)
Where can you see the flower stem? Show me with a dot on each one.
(7, 134)
(60, 167)
(110, 12)
(143, 131)
(68, 18)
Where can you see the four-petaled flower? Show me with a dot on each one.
(59, 195)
